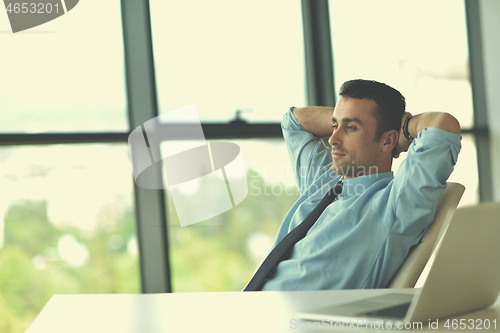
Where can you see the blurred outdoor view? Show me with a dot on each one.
(222, 253)
(69, 227)
(67, 215)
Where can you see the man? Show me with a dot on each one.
(363, 236)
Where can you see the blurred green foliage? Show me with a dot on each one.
(31, 271)
(212, 255)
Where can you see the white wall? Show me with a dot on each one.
(490, 25)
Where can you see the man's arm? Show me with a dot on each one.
(309, 155)
(441, 120)
(421, 178)
(317, 120)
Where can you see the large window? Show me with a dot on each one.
(67, 222)
(225, 56)
(388, 41)
(67, 205)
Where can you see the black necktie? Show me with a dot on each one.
(285, 246)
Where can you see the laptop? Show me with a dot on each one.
(464, 276)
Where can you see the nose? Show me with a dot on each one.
(335, 139)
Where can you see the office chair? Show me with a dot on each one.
(412, 267)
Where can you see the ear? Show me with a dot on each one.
(389, 140)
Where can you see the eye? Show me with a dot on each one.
(335, 126)
(350, 128)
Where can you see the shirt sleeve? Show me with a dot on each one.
(421, 179)
(310, 157)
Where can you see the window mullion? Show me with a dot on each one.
(142, 106)
(479, 99)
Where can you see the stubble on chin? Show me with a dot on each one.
(353, 170)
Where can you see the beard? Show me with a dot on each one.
(351, 168)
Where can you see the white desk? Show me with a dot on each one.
(201, 312)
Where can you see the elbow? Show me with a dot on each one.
(447, 122)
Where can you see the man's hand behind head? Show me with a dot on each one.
(403, 143)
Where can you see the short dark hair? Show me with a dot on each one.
(391, 103)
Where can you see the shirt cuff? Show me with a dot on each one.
(289, 122)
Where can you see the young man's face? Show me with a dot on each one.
(355, 152)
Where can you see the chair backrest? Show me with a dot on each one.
(412, 267)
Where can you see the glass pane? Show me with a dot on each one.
(221, 254)
(418, 46)
(466, 172)
(65, 75)
(66, 226)
(227, 55)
